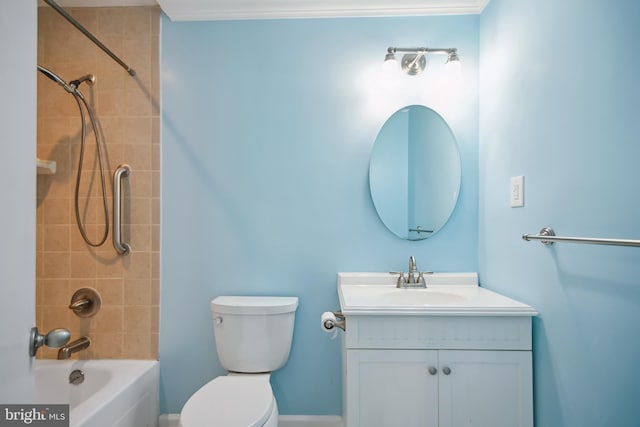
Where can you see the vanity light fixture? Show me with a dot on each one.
(414, 60)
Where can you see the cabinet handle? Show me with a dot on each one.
(446, 370)
(432, 370)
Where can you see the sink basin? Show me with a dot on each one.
(425, 297)
(446, 294)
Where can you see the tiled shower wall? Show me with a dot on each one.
(128, 114)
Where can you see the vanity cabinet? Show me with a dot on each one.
(438, 371)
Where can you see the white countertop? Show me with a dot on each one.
(447, 294)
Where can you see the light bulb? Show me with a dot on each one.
(453, 68)
(453, 65)
(390, 64)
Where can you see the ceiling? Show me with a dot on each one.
(203, 10)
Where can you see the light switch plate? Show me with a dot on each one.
(517, 191)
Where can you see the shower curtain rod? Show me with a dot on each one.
(90, 36)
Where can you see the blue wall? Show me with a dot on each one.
(267, 130)
(560, 104)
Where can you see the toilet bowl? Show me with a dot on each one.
(243, 400)
(253, 338)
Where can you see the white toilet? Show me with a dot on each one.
(253, 338)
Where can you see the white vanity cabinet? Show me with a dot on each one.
(450, 355)
(438, 371)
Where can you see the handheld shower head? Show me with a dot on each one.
(53, 76)
(72, 86)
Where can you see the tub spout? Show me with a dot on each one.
(66, 351)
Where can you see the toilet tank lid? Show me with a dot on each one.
(254, 305)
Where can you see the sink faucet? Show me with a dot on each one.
(411, 281)
(66, 351)
(412, 270)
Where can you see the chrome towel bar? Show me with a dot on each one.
(547, 237)
(122, 171)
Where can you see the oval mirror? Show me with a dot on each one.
(414, 173)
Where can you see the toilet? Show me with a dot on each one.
(253, 338)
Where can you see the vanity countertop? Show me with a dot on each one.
(447, 294)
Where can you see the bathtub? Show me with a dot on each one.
(114, 393)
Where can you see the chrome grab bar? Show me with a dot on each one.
(547, 236)
(122, 171)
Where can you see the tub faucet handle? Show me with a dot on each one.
(55, 338)
(85, 302)
(79, 305)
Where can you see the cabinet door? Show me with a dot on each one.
(485, 388)
(390, 388)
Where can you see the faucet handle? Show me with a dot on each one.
(421, 279)
(401, 279)
(54, 339)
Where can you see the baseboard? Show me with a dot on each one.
(309, 421)
(169, 420)
(173, 420)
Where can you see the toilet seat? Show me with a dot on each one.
(230, 401)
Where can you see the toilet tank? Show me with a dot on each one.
(253, 334)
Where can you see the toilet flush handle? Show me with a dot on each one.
(218, 320)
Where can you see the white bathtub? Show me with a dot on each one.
(115, 393)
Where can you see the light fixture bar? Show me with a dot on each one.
(414, 61)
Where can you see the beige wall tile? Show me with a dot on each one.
(155, 265)
(138, 156)
(55, 237)
(106, 346)
(55, 265)
(137, 319)
(55, 292)
(137, 292)
(139, 266)
(141, 184)
(140, 210)
(128, 112)
(111, 291)
(137, 345)
(154, 346)
(54, 317)
(136, 130)
(82, 265)
(155, 210)
(111, 268)
(56, 211)
(141, 237)
(109, 319)
(155, 292)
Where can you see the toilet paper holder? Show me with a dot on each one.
(339, 322)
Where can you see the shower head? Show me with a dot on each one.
(72, 86)
(53, 76)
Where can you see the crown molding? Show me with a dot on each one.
(204, 10)
(214, 10)
(100, 3)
